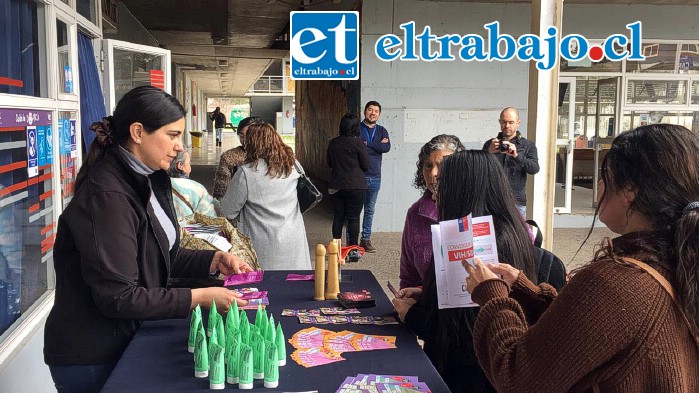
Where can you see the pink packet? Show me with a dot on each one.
(300, 277)
(254, 295)
(243, 278)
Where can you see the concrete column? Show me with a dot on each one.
(541, 121)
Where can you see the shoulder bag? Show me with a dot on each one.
(306, 191)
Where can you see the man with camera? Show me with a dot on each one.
(517, 155)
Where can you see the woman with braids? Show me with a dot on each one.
(416, 248)
(470, 182)
(117, 245)
(615, 327)
(262, 195)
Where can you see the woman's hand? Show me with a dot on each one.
(410, 293)
(477, 274)
(224, 298)
(228, 263)
(402, 306)
(507, 272)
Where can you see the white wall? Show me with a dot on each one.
(473, 93)
(26, 372)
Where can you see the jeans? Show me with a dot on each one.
(80, 379)
(219, 134)
(347, 206)
(372, 192)
(522, 211)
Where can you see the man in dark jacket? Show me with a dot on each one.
(219, 120)
(517, 155)
(375, 138)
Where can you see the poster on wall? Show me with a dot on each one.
(65, 141)
(73, 140)
(32, 152)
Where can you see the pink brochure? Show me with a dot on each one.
(243, 278)
(300, 277)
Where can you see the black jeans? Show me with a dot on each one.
(347, 205)
(81, 379)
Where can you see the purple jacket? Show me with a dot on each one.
(416, 248)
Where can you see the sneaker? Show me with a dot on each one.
(366, 245)
(353, 256)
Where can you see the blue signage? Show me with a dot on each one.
(73, 140)
(49, 145)
(32, 152)
(41, 144)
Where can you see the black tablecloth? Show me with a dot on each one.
(157, 360)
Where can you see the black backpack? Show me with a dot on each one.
(551, 269)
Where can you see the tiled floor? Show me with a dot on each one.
(208, 153)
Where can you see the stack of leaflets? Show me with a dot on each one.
(382, 384)
(244, 278)
(254, 297)
(360, 299)
(315, 347)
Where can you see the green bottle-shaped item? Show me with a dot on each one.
(271, 367)
(201, 355)
(233, 366)
(271, 331)
(232, 318)
(221, 333)
(193, 328)
(245, 333)
(217, 374)
(258, 356)
(213, 317)
(243, 318)
(212, 340)
(230, 336)
(260, 319)
(245, 376)
(281, 345)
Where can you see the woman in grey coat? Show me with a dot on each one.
(262, 195)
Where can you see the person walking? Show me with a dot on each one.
(219, 120)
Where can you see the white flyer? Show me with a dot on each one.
(454, 241)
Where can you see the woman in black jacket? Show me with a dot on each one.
(471, 182)
(117, 244)
(348, 160)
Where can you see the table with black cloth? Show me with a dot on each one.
(157, 360)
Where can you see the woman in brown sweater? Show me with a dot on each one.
(613, 328)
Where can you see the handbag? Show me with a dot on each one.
(306, 191)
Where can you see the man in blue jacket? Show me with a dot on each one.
(376, 140)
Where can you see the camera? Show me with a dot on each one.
(503, 147)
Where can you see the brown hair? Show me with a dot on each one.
(263, 143)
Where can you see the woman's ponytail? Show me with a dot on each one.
(687, 252)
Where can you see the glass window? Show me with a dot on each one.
(667, 92)
(88, 9)
(587, 65)
(26, 210)
(67, 153)
(695, 92)
(65, 66)
(689, 58)
(66, 1)
(633, 119)
(23, 49)
(133, 69)
(660, 58)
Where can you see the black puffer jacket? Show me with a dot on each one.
(112, 265)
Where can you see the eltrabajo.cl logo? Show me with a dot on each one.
(324, 45)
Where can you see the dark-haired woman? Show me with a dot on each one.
(615, 327)
(117, 245)
(263, 197)
(348, 160)
(233, 158)
(470, 182)
(416, 248)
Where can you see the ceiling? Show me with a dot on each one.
(225, 46)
